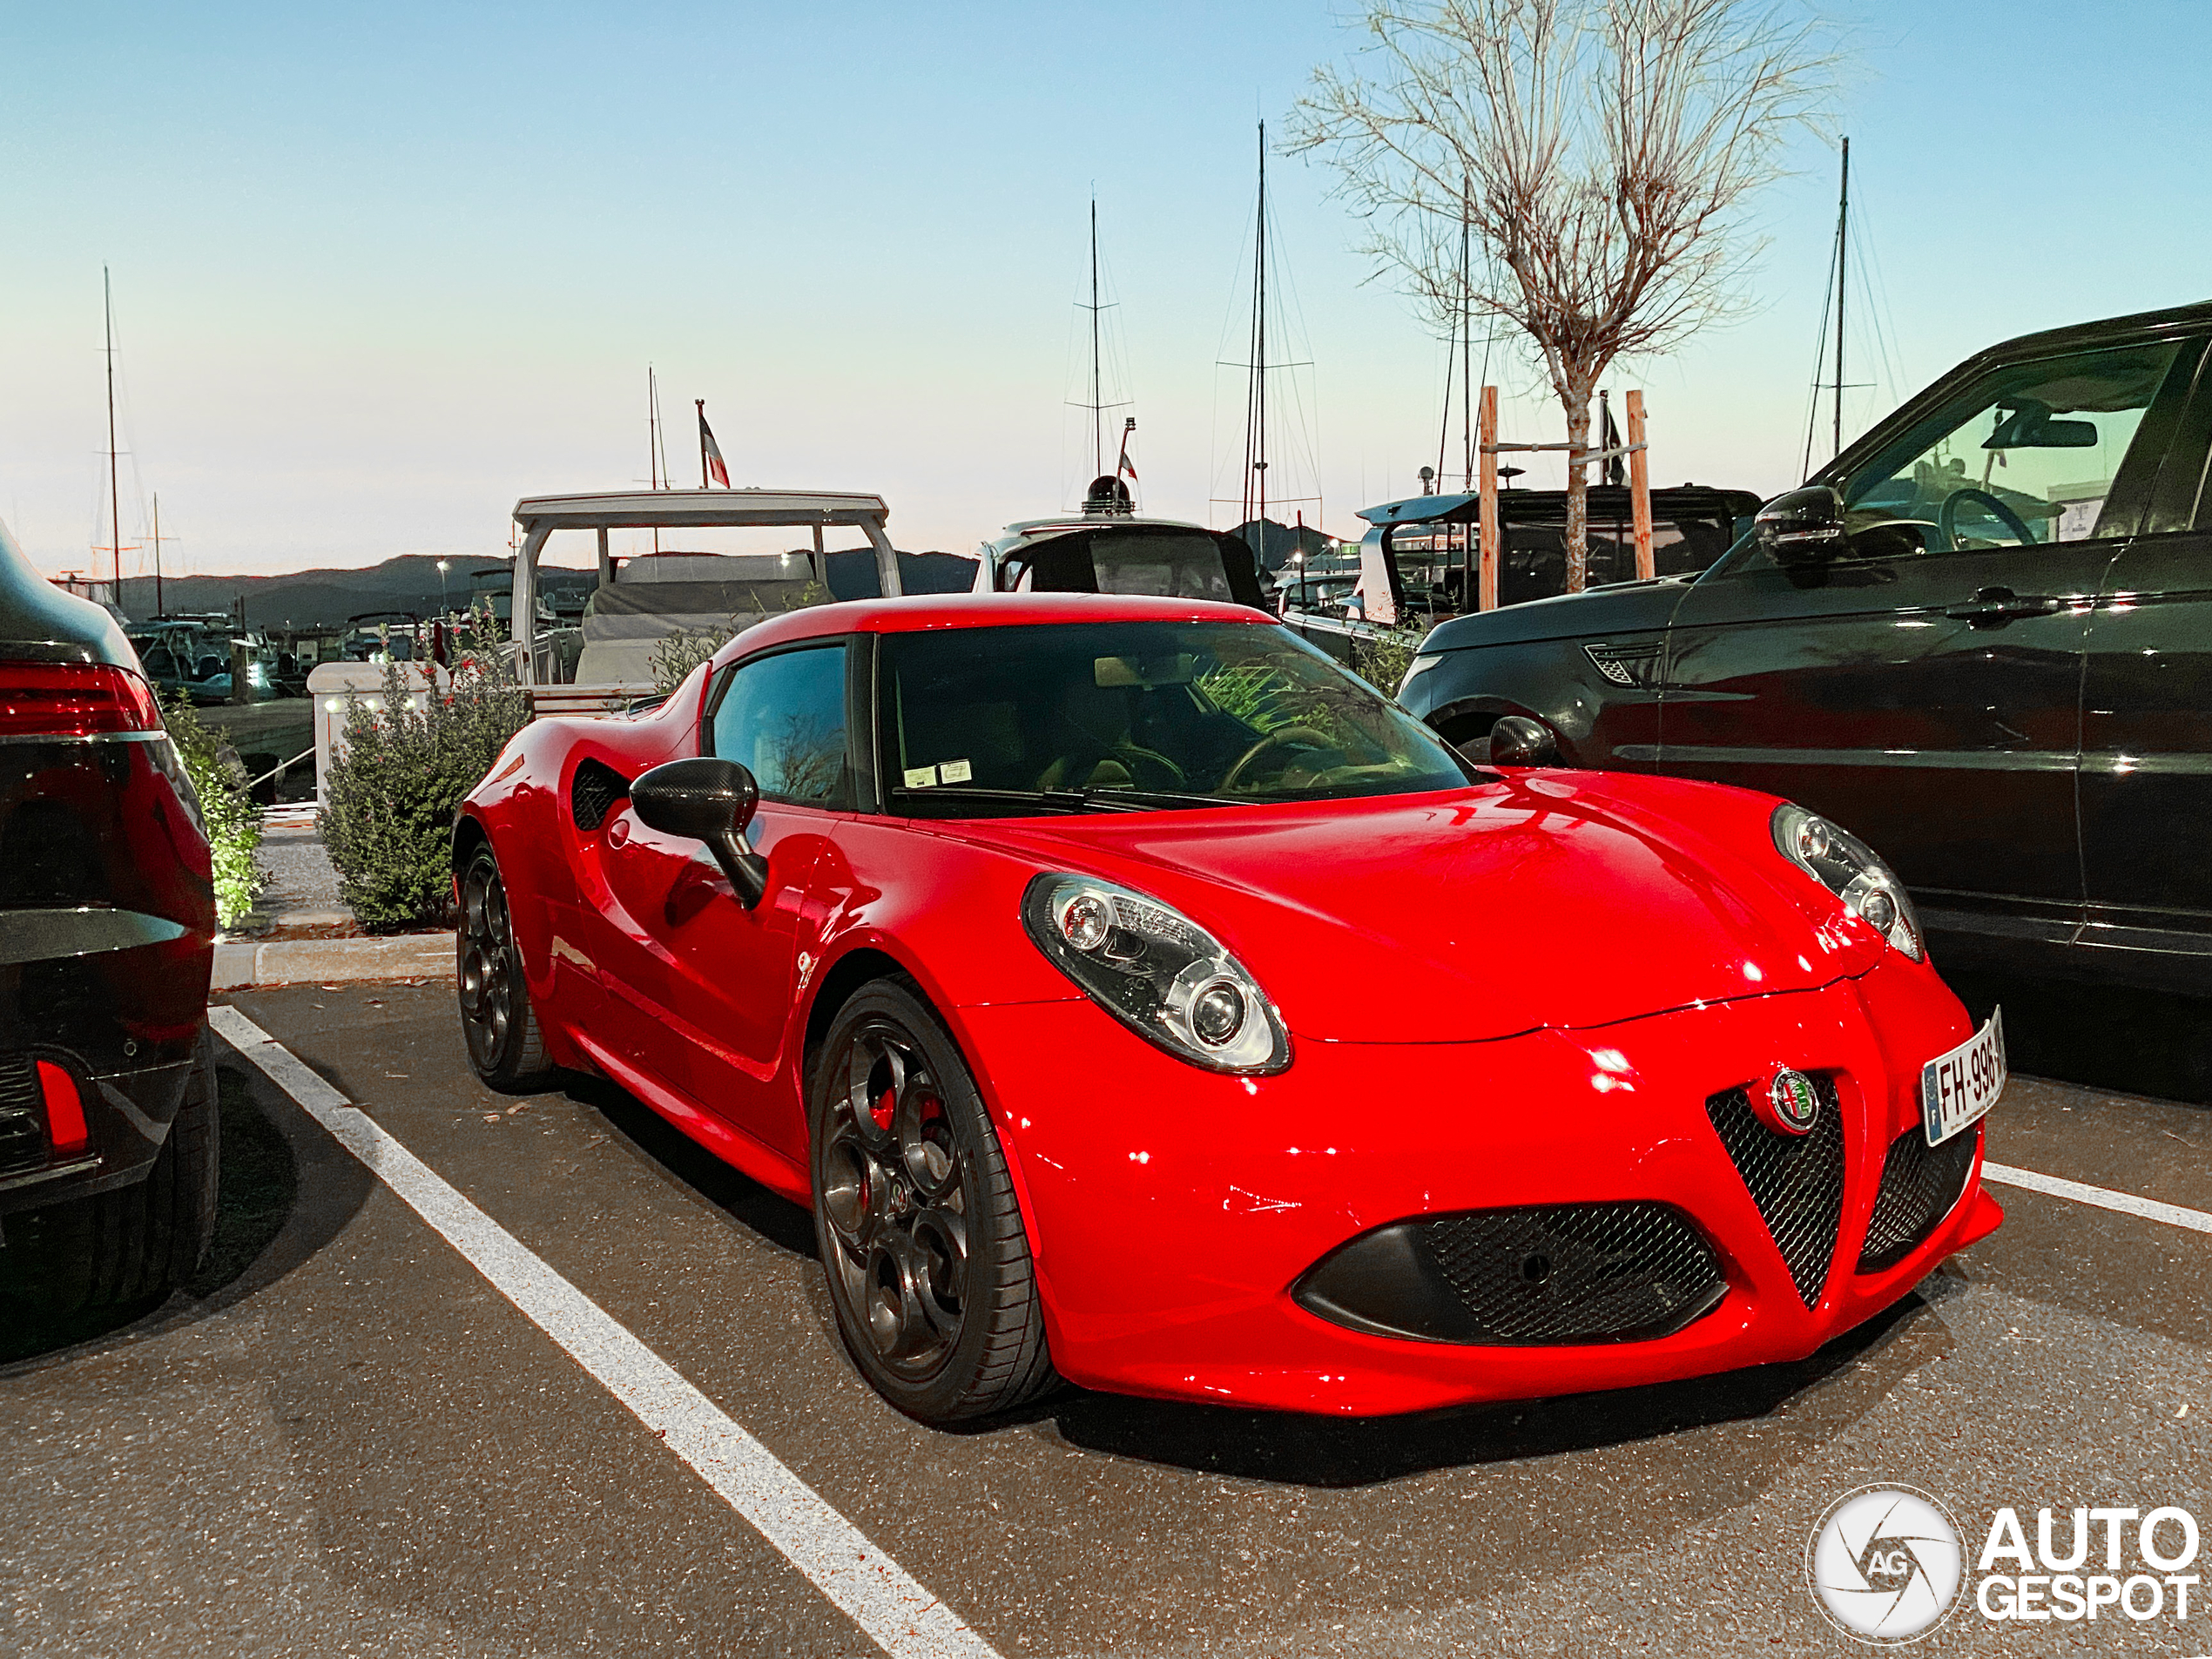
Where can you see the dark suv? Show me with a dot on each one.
(107, 925)
(1981, 639)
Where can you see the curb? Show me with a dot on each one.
(240, 964)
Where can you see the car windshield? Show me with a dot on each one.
(1124, 715)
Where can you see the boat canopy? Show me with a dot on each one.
(540, 516)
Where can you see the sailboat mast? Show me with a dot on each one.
(1842, 232)
(158, 606)
(114, 492)
(657, 460)
(1467, 336)
(1256, 402)
(1097, 390)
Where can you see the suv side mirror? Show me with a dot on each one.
(1802, 527)
(710, 801)
(1516, 741)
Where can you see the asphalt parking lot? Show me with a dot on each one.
(345, 1438)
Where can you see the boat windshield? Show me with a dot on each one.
(1132, 715)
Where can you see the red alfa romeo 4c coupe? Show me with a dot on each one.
(1137, 998)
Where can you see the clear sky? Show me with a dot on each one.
(380, 269)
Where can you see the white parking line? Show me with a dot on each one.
(2103, 1197)
(905, 1620)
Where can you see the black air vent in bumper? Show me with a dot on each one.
(1526, 1277)
(1795, 1180)
(1921, 1185)
(593, 793)
(23, 1115)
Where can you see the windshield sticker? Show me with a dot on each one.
(921, 776)
(955, 772)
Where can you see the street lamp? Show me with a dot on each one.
(443, 566)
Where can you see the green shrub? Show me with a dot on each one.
(226, 807)
(1382, 660)
(675, 658)
(388, 825)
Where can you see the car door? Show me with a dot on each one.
(1922, 687)
(701, 994)
(2147, 723)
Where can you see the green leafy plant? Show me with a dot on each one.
(1259, 695)
(410, 756)
(1383, 658)
(226, 807)
(674, 657)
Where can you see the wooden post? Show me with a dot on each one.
(1640, 487)
(1491, 537)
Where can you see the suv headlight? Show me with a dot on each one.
(1848, 867)
(1157, 972)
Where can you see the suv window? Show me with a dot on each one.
(782, 717)
(2028, 454)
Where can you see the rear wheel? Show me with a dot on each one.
(919, 1232)
(134, 1244)
(505, 1045)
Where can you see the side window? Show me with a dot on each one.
(782, 717)
(2031, 454)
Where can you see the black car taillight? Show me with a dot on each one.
(73, 700)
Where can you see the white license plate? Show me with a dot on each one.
(1957, 1087)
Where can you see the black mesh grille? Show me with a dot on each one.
(1579, 1272)
(1795, 1180)
(22, 1121)
(593, 793)
(1919, 1186)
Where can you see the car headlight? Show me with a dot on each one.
(1157, 972)
(1849, 868)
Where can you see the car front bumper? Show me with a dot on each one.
(1173, 1211)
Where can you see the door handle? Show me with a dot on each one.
(1995, 607)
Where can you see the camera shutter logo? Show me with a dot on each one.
(1884, 1564)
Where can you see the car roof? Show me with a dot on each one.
(931, 613)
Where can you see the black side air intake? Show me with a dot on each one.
(1533, 1276)
(593, 793)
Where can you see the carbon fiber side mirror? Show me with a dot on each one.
(709, 800)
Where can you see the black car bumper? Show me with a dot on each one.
(101, 1015)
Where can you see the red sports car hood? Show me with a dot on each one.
(1557, 899)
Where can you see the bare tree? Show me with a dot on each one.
(1600, 151)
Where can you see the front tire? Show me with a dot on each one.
(506, 1046)
(919, 1232)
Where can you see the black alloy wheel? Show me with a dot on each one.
(919, 1232)
(505, 1046)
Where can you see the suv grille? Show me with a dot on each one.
(23, 1117)
(1921, 1185)
(1576, 1272)
(1795, 1180)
